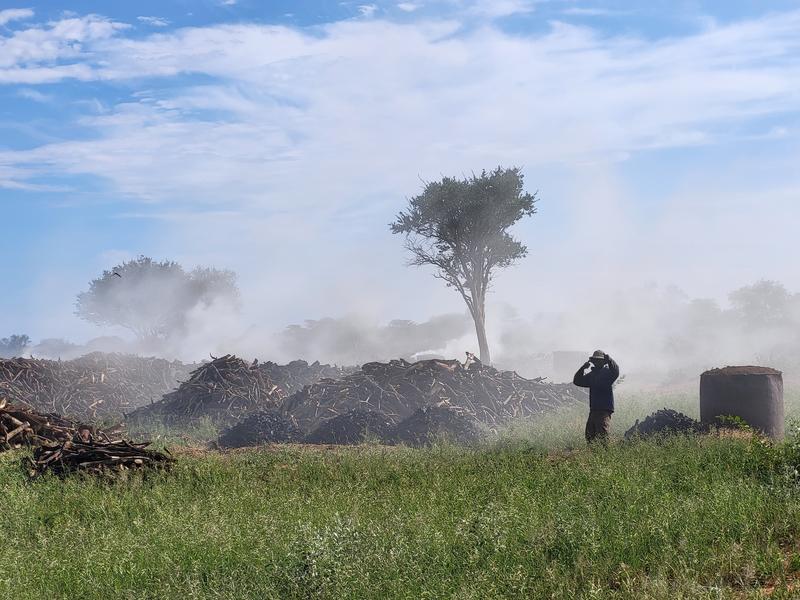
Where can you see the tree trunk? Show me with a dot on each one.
(480, 328)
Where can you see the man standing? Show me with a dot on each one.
(598, 374)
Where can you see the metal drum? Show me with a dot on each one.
(755, 394)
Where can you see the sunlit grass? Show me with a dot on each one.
(531, 514)
(691, 518)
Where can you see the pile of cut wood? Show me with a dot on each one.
(224, 389)
(94, 387)
(64, 446)
(23, 427)
(294, 376)
(96, 458)
(399, 388)
(228, 388)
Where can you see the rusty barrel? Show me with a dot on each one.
(755, 394)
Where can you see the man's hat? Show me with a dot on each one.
(599, 354)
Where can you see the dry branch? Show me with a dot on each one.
(96, 458)
(94, 387)
(398, 388)
(227, 389)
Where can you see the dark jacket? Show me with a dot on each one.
(600, 381)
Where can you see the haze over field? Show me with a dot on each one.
(279, 142)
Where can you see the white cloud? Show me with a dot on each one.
(500, 8)
(295, 137)
(368, 10)
(53, 52)
(35, 95)
(578, 11)
(294, 101)
(154, 21)
(17, 178)
(14, 14)
(408, 6)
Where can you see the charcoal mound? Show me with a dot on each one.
(263, 427)
(434, 423)
(353, 427)
(663, 422)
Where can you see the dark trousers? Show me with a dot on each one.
(598, 425)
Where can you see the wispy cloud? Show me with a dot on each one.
(267, 140)
(578, 11)
(408, 6)
(294, 101)
(368, 10)
(501, 8)
(282, 118)
(35, 95)
(154, 21)
(14, 14)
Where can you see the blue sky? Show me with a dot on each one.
(279, 138)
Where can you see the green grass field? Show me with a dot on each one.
(534, 515)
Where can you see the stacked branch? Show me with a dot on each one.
(398, 388)
(227, 389)
(22, 427)
(96, 458)
(94, 387)
(296, 375)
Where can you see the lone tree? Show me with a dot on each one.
(460, 226)
(153, 299)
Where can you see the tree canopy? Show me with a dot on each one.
(764, 304)
(14, 345)
(153, 298)
(460, 227)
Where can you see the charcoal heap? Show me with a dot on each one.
(353, 427)
(227, 389)
(398, 388)
(663, 422)
(96, 458)
(90, 388)
(424, 427)
(432, 423)
(263, 427)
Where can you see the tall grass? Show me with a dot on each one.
(534, 514)
(676, 518)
